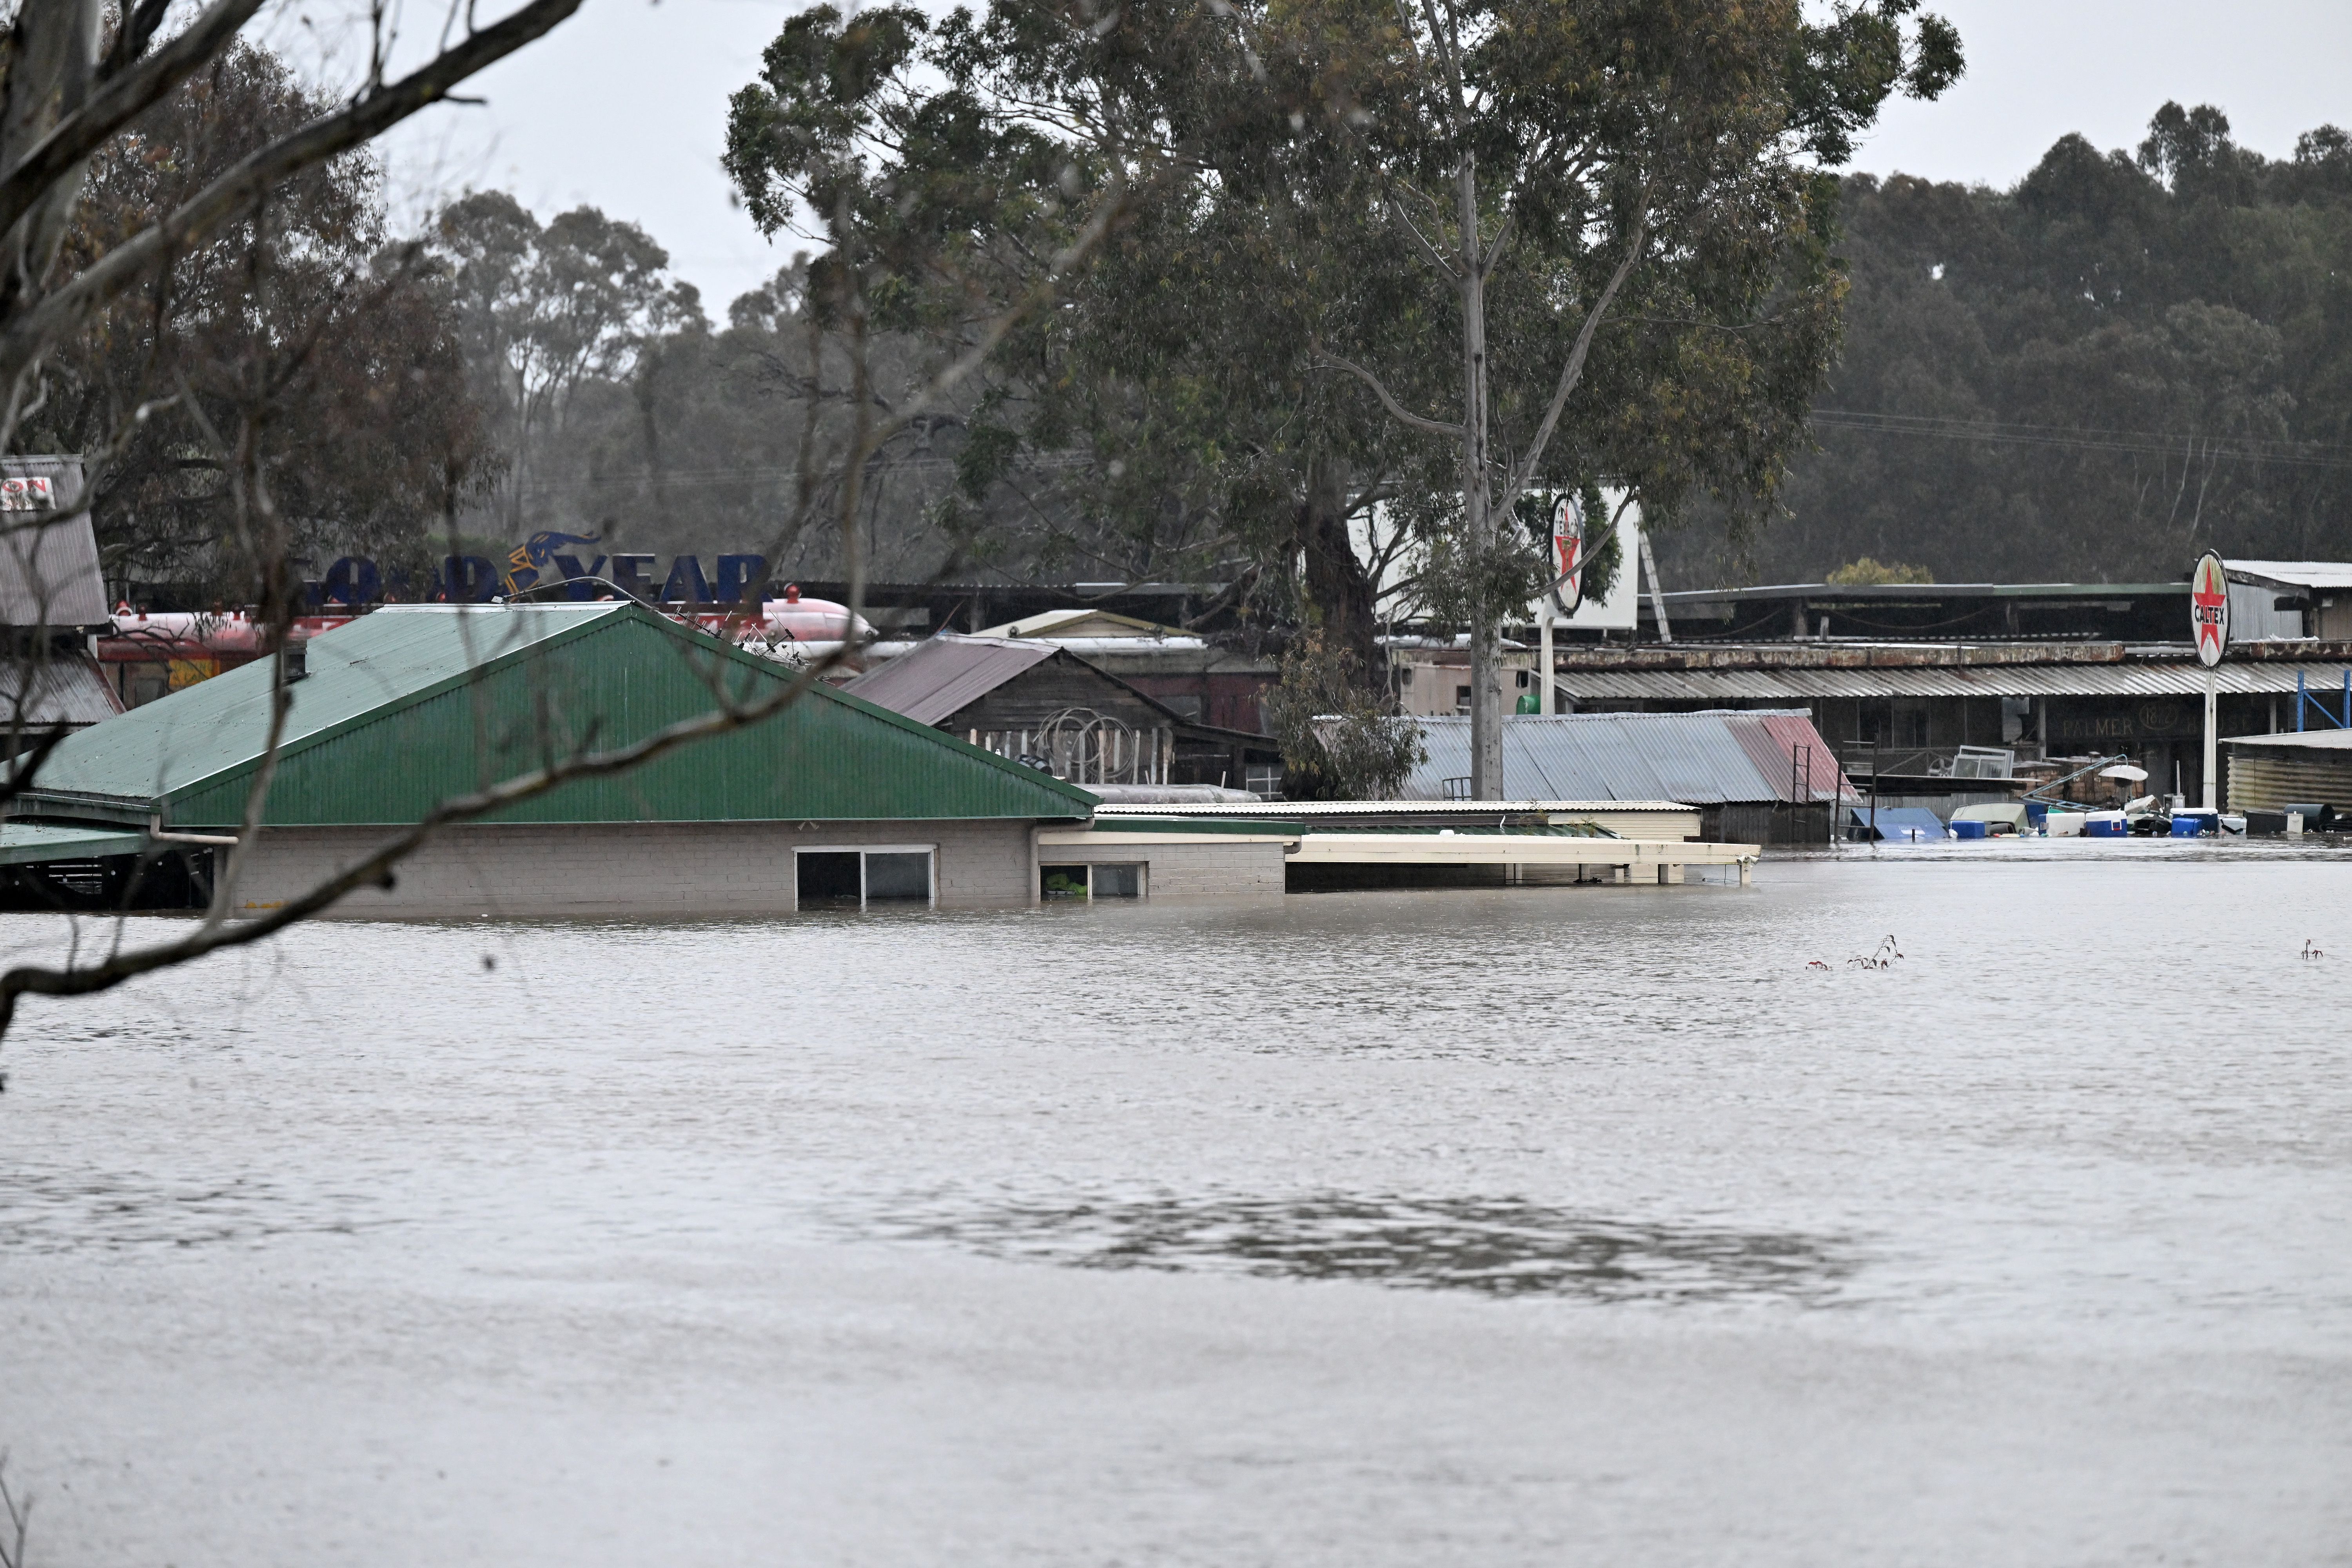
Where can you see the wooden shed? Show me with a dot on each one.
(1037, 702)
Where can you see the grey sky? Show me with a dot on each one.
(624, 106)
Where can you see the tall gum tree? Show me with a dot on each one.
(1587, 145)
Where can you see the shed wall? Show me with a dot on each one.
(1241, 868)
(2273, 779)
(530, 870)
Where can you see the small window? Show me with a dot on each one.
(856, 878)
(1264, 779)
(1404, 675)
(1090, 881)
(1461, 699)
(829, 878)
(899, 875)
(1526, 679)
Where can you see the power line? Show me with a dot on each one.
(2301, 453)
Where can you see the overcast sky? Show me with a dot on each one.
(625, 106)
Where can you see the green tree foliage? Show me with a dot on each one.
(1867, 573)
(298, 335)
(2121, 361)
(1341, 739)
(543, 308)
(955, 178)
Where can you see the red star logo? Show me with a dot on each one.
(2209, 600)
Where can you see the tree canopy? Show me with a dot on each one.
(2127, 358)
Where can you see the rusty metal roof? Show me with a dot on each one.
(948, 673)
(1701, 759)
(68, 688)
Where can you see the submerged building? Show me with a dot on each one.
(830, 800)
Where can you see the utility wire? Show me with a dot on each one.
(2302, 454)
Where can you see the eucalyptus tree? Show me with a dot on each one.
(1547, 154)
(955, 178)
(543, 307)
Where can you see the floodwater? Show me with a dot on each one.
(1584, 1225)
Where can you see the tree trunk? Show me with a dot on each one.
(1336, 585)
(1478, 526)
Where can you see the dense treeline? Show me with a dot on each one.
(2126, 359)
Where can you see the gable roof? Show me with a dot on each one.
(948, 673)
(413, 704)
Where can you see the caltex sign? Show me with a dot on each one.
(2209, 609)
(1568, 553)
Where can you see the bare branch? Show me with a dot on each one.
(1572, 372)
(1434, 426)
(31, 334)
(1429, 252)
(130, 93)
(1494, 251)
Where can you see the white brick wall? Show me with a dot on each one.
(625, 869)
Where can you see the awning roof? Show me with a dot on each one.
(2291, 573)
(2184, 679)
(2298, 740)
(24, 843)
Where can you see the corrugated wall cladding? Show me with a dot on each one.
(399, 717)
(1702, 759)
(2263, 781)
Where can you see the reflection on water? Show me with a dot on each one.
(1497, 1247)
(54, 1211)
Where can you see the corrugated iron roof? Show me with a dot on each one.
(946, 674)
(2296, 574)
(2297, 740)
(1467, 809)
(50, 574)
(414, 704)
(2186, 678)
(69, 688)
(1702, 759)
(26, 843)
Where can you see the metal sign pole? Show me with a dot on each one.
(2213, 745)
(1543, 654)
(2209, 623)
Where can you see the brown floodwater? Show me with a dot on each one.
(1542, 1226)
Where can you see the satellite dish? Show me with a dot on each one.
(2124, 771)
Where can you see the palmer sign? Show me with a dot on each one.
(549, 558)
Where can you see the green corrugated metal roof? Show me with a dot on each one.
(410, 705)
(23, 843)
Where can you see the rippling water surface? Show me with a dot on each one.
(1570, 1224)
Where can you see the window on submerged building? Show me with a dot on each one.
(899, 875)
(856, 878)
(828, 877)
